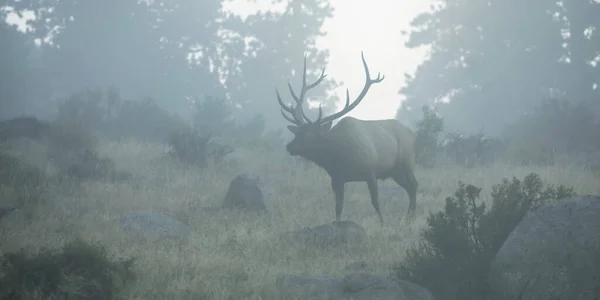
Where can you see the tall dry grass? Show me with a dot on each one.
(230, 255)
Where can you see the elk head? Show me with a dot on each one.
(309, 135)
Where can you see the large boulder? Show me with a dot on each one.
(333, 234)
(359, 286)
(244, 193)
(553, 253)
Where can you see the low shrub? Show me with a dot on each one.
(20, 184)
(113, 117)
(460, 241)
(428, 133)
(472, 150)
(72, 147)
(79, 271)
(27, 126)
(214, 115)
(192, 147)
(189, 146)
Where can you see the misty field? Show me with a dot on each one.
(233, 255)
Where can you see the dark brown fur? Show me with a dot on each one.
(355, 150)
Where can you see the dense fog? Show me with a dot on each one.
(245, 149)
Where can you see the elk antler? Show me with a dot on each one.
(298, 117)
(348, 107)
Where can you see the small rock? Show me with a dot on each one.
(245, 194)
(153, 224)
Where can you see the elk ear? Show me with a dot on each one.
(293, 129)
(326, 126)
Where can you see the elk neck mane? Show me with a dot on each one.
(322, 155)
(326, 153)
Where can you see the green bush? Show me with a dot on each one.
(460, 241)
(72, 147)
(111, 116)
(69, 139)
(428, 132)
(191, 147)
(79, 271)
(213, 115)
(472, 150)
(29, 127)
(20, 184)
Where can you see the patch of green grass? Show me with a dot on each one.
(231, 255)
(20, 184)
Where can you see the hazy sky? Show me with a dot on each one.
(371, 26)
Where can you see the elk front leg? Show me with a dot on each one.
(338, 190)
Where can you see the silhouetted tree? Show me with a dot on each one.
(133, 45)
(270, 47)
(176, 51)
(18, 77)
(494, 60)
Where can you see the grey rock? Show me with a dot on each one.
(153, 224)
(244, 193)
(359, 286)
(553, 253)
(332, 234)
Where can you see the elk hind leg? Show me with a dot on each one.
(374, 191)
(338, 190)
(405, 177)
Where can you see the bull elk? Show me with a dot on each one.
(353, 150)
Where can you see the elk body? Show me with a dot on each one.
(353, 150)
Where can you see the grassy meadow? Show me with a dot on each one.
(231, 255)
